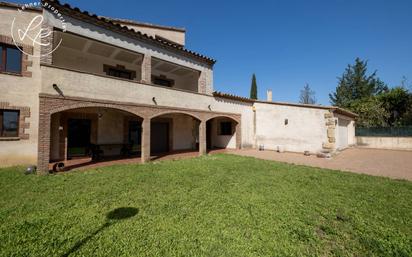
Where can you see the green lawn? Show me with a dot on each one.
(219, 205)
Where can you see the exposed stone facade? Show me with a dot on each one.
(26, 63)
(330, 126)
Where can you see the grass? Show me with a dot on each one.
(220, 205)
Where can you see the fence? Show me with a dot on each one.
(384, 132)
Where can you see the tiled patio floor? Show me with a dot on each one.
(87, 163)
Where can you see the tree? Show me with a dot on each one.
(307, 95)
(355, 84)
(396, 103)
(371, 112)
(253, 88)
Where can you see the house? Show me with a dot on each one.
(78, 84)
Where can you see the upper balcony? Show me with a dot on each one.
(91, 56)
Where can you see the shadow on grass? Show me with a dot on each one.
(112, 218)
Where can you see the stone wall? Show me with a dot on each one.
(329, 144)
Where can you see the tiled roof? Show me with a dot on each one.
(233, 97)
(111, 25)
(245, 99)
(144, 24)
(14, 5)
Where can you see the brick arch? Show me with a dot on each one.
(197, 117)
(80, 105)
(232, 117)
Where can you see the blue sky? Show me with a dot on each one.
(286, 43)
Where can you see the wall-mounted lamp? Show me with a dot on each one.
(154, 100)
(209, 107)
(286, 121)
(58, 90)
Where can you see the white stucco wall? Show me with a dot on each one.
(222, 141)
(305, 131)
(20, 91)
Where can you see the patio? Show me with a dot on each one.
(376, 162)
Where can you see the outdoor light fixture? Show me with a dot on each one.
(286, 121)
(58, 90)
(154, 100)
(209, 107)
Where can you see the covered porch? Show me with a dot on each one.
(90, 134)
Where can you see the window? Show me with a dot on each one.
(11, 59)
(226, 128)
(119, 71)
(162, 81)
(9, 123)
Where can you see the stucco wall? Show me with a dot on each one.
(183, 138)
(394, 143)
(223, 141)
(20, 91)
(305, 131)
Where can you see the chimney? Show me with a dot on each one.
(269, 95)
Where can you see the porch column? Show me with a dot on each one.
(238, 136)
(147, 69)
(146, 140)
(46, 48)
(202, 137)
(43, 153)
(201, 84)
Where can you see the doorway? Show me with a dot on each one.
(159, 137)
(78, 137)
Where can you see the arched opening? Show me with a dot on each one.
(222, 132)
(88, 135)
(174, 133)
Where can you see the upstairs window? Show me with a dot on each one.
(9, 123)
(11, 59)
(226, 128)
(162, 81)
(119, 71)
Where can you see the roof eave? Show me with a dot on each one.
(103, 22)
